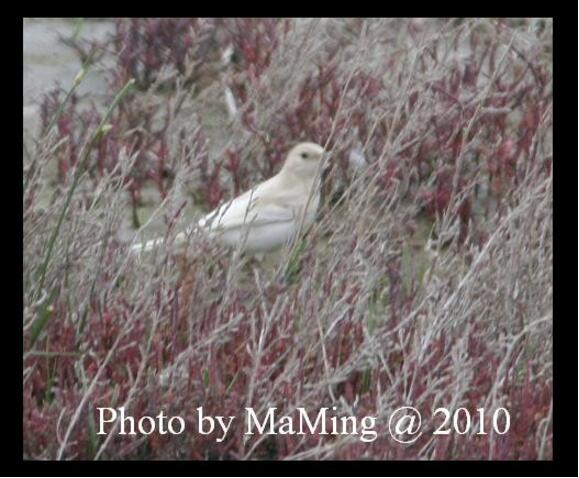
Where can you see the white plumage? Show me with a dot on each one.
(269, 215)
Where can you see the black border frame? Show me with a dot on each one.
(564, 461)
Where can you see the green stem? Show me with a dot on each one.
(77, 174)
(75, 84)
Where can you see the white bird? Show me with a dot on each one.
(269, 215)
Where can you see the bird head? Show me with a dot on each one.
(304, 160)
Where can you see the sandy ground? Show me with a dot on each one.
(48, 62)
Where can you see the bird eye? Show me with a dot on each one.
(305, 155)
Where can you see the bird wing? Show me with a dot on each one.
(252, 207)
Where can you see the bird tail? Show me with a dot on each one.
(152, 244)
